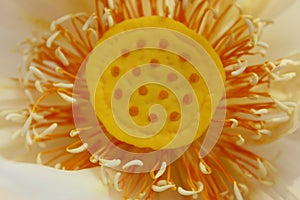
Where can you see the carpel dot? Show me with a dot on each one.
(141, 44)
(125, 52)
(153, 117)
(163, 43)
(194, 78)
(133, 111)
(136, 71)
(172, 77)
(154, 62)
(115, 71)
(187, 99)
(118, 93)
(184, 57)
(175, 116)
(143, 90)
(163, 95)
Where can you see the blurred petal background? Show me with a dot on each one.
(19, 19)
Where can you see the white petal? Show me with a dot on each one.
(39, 10)
(264, 8)
(12, 31)
(35, 182)
(284, 155)
(283, 35)
(19, 19)
(289, 91)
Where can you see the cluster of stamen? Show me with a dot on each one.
(52, 64)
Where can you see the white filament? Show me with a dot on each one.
(133, 163)
(52, 38)
(79, 149)
(110, 163)
(116, 181)
(162, 170)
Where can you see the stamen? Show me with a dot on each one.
(161, 170)
(260, 111)
(116, 181)
(111, 4)
(262, 44)
(59, 21)
(88, 22)
(241, 140)
(242, 67)
(67, 97)
(51, 64)
(38, 86)
(103, 175)
(52, 38)
(38, 73)
(29, 138)
(93, 36)
(270, 166)
(64, 85)
(107, 17)
(110, 163)
(189, 192)
(214, 12)
(74, 133)
(266, 182)
(39, 159)
(79, 149)
(57, 166)
(162, 188)
(244, 189)
(278, 119)
(282, 106)
(37, 117)
(234, 124)
(254, 80)
(16, 117)
(283, 63)
(61, 56)
(237, 191)
(26, 125)
(29, 96)
(110, 21)
(162, 182)
(250, 25)
(94, 159)
(204, 168)
(48, 130)
(265, 132)
(133, 163)
(262, 168)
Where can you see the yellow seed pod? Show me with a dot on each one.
(147, 84)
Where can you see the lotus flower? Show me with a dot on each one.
(151, 99)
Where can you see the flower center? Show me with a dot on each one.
(150, 82)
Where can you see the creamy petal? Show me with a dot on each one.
(20, 19)
(264, 8)
(12, 31)
(285, 156)
(12, 97)
(35, 182)
(283, 35)
(289, 91)
(37, 11)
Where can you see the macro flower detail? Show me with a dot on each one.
(160, 95)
